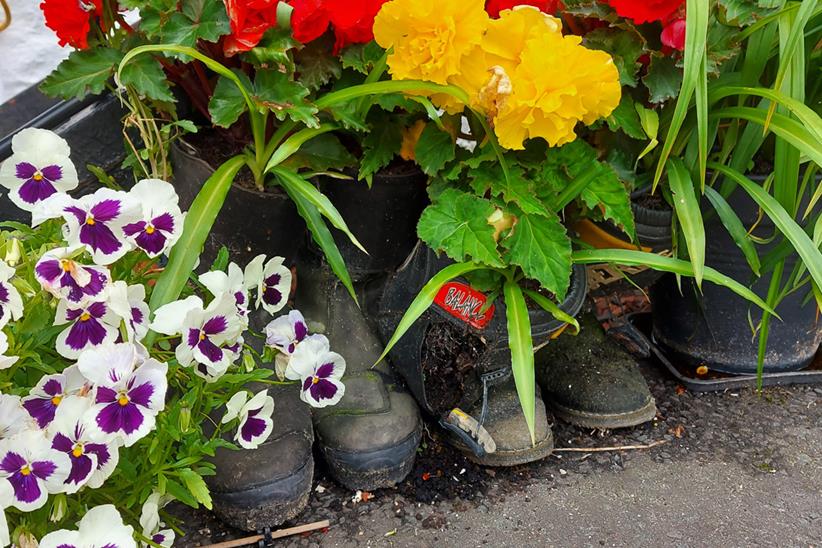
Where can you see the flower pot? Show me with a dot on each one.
(383, 218)
(712, 327)
(456, 328)
(250, 222)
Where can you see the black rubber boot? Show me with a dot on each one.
(266, 486)
(591, 381)
(370, 438)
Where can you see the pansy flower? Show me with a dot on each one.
(13, 418)
(129, 302)
(255, 417)
(63, 277)
(152, 524)
(161, 221)
(319, 371)
(49, 393)
(219, 282)
(208, 335)
(6, 361)
(101, 527)
(273, 282)
(96, 222)
(130, 389)
(92, 462)
(91, 323)
(11, 305)
(284, 334)
(33, 469)
(38, 168)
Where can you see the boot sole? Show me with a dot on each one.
(605, 420)
(373, 469)
(267, 505)
(514, 458)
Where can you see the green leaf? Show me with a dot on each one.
(434, 149)
(273, 50)
(380, 146)
(362, 57)
(689, 215)
(196, 486)
(551, 307)
(625, 45)
(630, 257)
(83, 72)
(277, 92)
(626, 118)
(198, 222)
(197, 20)
(146, 76)
(315, 67)
(522, 351)
(322, 153)
(424, 299)
(227, 103)
(649, 120)
(741, 13)
(516, 188)
(181, 493)
(805, 247)
(295, 184)
(606, 192)
(663, 79)
(734, 227)
(541, 247)
(295, 142)
(457, 224)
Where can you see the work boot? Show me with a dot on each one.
(267, 486)
(369, 439)
(264, 487)
(591, 381)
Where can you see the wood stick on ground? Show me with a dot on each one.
(280, 533)
(602, 449)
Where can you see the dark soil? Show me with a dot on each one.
(533, 285)
(215, 146)
(654, 202)
(449, 356)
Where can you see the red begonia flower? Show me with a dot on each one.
(493, 7)
(351, 20)
(249, 20)
(645, 11)
(673, 34)
(71, 19)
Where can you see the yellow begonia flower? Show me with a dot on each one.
(557, 84)
(429, 37)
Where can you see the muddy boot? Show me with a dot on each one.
(264, 487)
(503, 422)
(591, 381)
(370, 438)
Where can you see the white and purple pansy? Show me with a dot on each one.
(218, 282)
(96, 222)
(129, 302)
(6, 361)
(209, 337)
(319, 371)
(284, 334)
(49, 393)
(152, 524)
(254, 416)
(33, 469)
(101, 527)
(92, 462)
(161, 222)
(11, 304)
(272, 280)
(130, 389)
(13, 418)
(38, 168)
(91, 323)
(63, 277)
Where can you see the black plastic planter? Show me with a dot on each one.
(383, 218)
(712, 328)
(250, 222)
(458, 309)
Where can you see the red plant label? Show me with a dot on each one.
(464, 303)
